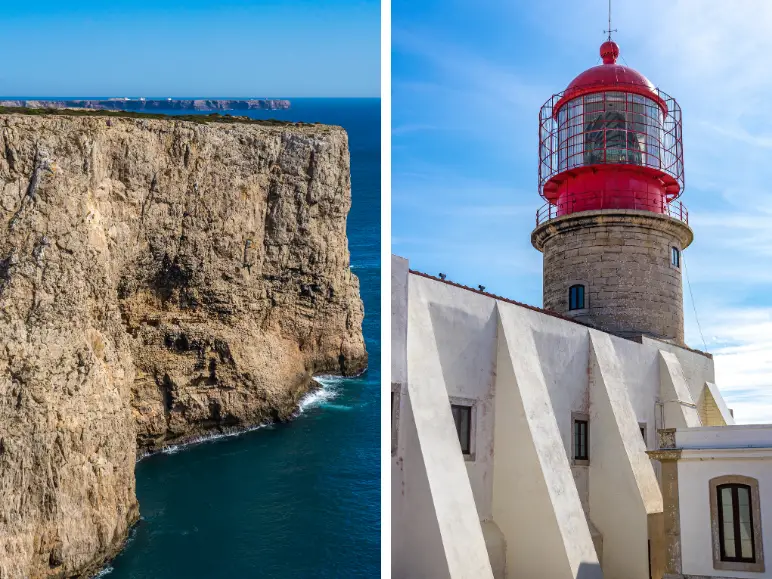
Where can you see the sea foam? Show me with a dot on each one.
(211, 437)
(102, 572)
(330, 388)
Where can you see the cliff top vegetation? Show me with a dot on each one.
(201, 119)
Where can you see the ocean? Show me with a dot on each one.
(295, 500)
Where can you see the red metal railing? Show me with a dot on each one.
(613, 200)
(608, 128)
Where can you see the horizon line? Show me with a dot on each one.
(27, 97)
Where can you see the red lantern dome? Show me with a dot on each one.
(610, 76)
(611, 140)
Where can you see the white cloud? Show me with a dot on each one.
(741, 343)
(415, 128)
(741, 134)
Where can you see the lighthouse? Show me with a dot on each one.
(612, 230)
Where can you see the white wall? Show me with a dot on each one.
(679, 406)
(464, 326)
(466, 322)
(623, 486)
(407, 438)
(639, 367)
(399, 282)
(427, 387)
(698, 368)
(694, 499)
(535, 503)
(716, 437)
(461, 334)
(416, 541)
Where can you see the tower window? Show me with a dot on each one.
(576, 297)
(675, 256)
(462, 416)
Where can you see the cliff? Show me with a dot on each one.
(154, 104)
(158, 279)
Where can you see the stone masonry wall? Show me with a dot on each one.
(623, 258)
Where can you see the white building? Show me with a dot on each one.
(717, 487)
(529, 499)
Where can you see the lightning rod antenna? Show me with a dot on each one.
(610, 30)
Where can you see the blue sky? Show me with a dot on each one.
(468, 80)
(272, 48)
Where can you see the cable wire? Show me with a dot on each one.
(694, 306)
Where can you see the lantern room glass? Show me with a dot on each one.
(610, 127)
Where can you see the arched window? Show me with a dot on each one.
(576, 297)
(736, 521)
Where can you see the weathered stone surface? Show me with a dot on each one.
(623, 259)
(158, 278)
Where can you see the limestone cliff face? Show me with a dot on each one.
(158, 279)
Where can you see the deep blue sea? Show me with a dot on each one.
(296, 500)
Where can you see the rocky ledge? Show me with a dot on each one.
(159, 278)
(120, 104)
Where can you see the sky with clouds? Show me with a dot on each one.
(468, 79)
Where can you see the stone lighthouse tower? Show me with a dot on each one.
(612, 230)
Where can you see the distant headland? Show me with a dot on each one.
(142, 104)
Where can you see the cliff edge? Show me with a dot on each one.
(159, 278)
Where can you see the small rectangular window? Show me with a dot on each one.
(581, 439)
(462, 416)
(576, 297)
(675, 257)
